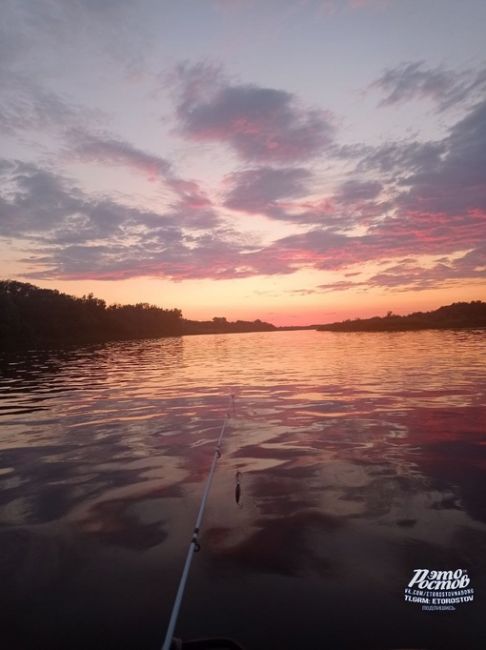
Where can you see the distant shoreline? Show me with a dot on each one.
(325, 328)
(34, 318)
(6, 347)
(459, 315)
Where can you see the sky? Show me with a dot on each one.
(295, 161)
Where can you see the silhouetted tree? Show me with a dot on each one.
(458, 315)
(32, 316)
(219, 325)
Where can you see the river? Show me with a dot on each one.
(362, 457)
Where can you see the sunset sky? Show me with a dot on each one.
(294, 161)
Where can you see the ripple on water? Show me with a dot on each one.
(360, 457)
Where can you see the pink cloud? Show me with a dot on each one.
(190, 193)
(437, 207)
(260, 124)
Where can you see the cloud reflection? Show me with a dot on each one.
(352, 468)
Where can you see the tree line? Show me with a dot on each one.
(219, 325)
(458, 315)
(30, 316)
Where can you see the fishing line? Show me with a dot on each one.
(194, 546)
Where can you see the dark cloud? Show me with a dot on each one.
(394, 159)
(259, 124)
(312, 248)
(77, 236)
(342, 211)
(455, 184)
(279, 194)
(353, 191)
(36, 203)
(413, 80)
(207, 256)
(438, 209)
(259, 190)
(34, 200)
(110, 261)
(40, 204)
(439, 189)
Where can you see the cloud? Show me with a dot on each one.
(279, 193)
(40, 204)
(108, 149)
(409, 274)
(437, 189)
(107, 27)
(435, 207)
(25, 105)
(412, 276)
(213, 256)
(413, 80)
(401, 235)
(39, 38)
(259, 124)
(259, 190)
(33, 200)
(80, 237)
(455, 184)
(192, 206)
(339, 285)
(353, 191)
(397, 158)
(75, 236)
(396, 237)
(351, 205)
(31, 37)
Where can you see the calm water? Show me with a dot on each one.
(362, 457)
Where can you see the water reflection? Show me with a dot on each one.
(350, 459)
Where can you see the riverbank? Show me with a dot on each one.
(459, 315)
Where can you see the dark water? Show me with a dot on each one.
(362, 458)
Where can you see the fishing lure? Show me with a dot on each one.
(238, 487)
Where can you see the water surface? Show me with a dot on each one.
(362, 457)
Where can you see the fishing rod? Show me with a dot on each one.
(194, 545)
